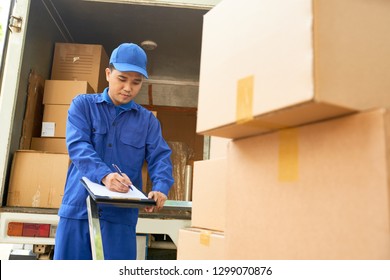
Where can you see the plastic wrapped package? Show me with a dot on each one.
(182, 155)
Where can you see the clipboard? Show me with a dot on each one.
(101, 195)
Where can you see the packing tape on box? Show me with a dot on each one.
(288, 155)
(204, 238)
(244, 111)
(288, 138)
(244, 107)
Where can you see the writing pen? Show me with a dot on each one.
(120, 173)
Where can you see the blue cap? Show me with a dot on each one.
(129, 57)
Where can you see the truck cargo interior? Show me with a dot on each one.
(173, 65)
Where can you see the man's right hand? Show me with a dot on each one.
(117, 183)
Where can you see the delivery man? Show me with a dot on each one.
(104, 130)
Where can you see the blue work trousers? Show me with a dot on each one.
(73, 240)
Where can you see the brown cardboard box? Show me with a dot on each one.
(37, 179)
(54, 121)
(319, 191)
(32, 120)
(80, 62)
(53, 145)
(218, 147)
(284, 64)
(209, 194)
(200, 244)
(62, 92)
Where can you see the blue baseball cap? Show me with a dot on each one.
(129, 57)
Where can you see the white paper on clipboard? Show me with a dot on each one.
(101, 191)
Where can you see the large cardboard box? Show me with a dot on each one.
(286, 63)
(37, 179)
(54, 121)
(60, 92)
(319, 191)
(53, 145)
(200, 244)
(209, 194)
(80, 62)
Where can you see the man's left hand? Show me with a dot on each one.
(160, 199)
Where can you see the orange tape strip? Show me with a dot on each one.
(288, 155)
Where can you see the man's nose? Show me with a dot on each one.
(127, 87)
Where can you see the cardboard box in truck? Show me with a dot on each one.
(48, 144)
(58, 92)
(37, 179)
(54, 120)
(81, 62)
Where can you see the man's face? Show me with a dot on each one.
(123, 86)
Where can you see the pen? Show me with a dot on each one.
(120, 172)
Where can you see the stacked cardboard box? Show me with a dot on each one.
(318, 191)
(205, 239)
(57, 97)
(308, 164)
(37, 179)
(49, 144)
(284, 63)
(81, 62)
(76, 69)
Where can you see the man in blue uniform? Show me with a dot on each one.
(102, 130)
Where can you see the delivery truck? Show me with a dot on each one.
(170, 31)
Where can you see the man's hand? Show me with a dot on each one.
(160, 199)
(117, 183)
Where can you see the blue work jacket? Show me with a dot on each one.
(98, 134)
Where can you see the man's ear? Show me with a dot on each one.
(108, 73)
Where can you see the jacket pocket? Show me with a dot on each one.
(98, 137)
(134, 144)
